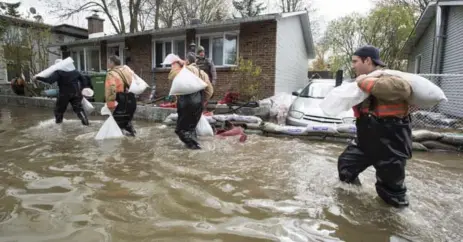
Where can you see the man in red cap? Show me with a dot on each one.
(383, 130)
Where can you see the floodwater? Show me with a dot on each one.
(58, 184)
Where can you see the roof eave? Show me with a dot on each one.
(423, 22)
(224, 24)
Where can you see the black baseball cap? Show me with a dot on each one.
(372, 52)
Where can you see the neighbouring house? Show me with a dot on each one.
(435, 48)
(280, 44)
(27, 42)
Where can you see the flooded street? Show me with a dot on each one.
(59, 184)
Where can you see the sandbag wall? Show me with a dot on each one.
(423, 140)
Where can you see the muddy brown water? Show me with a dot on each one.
(58, 184)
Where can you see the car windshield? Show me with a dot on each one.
(317, 90)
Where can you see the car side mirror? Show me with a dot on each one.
(295, 94)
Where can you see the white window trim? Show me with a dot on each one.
(85, 49)
(218, 34)
(171, 39)
(121, 50)
(418, 68)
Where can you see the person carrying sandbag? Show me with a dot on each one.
(193, 67)
(119, 100)
(70, 84)
(383, 130)
(189, 106)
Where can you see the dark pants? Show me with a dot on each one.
(76, 102)
(125, 110)
(385, 144)
(189, 110)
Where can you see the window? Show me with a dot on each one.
(86, 59)
(164, 47)
(93, 60)
(221, 48)
(14, 70)
(418, 64)
(117, 50)
(317, 90)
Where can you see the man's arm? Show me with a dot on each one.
(213, 72)
(110, 91)
(54, 77)
(386, 87)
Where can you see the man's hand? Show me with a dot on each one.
(360, 78)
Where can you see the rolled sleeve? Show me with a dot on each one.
(110, 92)
(391, 88)
(367, 84)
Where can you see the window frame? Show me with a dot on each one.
(220, 34)
(85, 49)
(121, 46)
(164, 40)
(418, 59)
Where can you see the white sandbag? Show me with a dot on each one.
(223, 118)
(342, 98)
(277, 104)
(186, 82)
(170, 58)
(425, 93)
(106, 111)
(291, 130)
(65, 65)
(203, 128)
(346, 128)
(210, 119)
(109, 130)
(87, 92)
(270, 127)
(87, 106)
(138, 85)
(246, 119)
(322, 128)
(172, 117)
(422, 135)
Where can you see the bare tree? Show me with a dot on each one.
(418, 5)
(146, 15)
(168, 12)
(294, 5)
(67, 9)
(205, 10)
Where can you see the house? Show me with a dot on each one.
(280, 44)
(435, 48)
(33, 37)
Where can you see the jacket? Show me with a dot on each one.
(118, 80)
(388, 96)
(69, 82)
(207, 66)
(208, 91)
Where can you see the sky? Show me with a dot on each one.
(327, 10)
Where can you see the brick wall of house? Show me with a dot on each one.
(140, 49)
(257, 43)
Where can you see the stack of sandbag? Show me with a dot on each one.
(172, 119)
(425, 140)
(425, 93)
(312, 129)
(278, 106)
